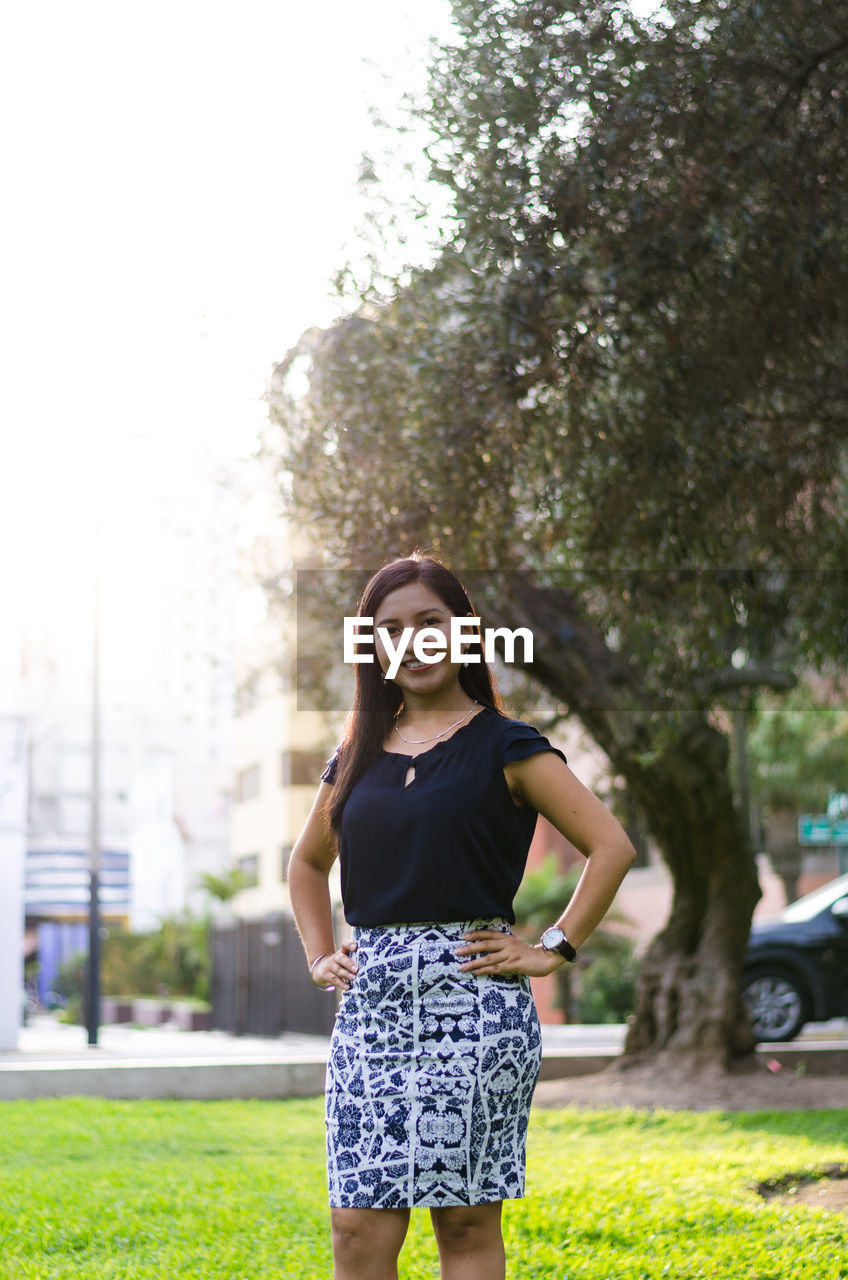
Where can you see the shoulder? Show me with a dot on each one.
(517, 739)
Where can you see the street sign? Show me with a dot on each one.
(818, 828)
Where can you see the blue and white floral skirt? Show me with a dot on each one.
(431, 1074)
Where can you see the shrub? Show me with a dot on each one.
(172, 960)
(607, 990)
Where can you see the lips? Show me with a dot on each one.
(414, 665)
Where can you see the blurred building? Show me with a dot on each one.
(13, 784)
(168, 591)
(280, 748)
(13, 806)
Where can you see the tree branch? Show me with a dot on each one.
(800, 81)
(749, 677)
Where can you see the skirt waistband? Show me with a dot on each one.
(449, 928)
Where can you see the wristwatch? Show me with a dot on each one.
(554, 939)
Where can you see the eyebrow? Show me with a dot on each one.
(420, 614)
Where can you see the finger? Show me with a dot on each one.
(483, 970)
(504, 955)
(482, 962)
(485, 944)
(485, 949)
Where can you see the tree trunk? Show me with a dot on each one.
(783, 849)
(688, 1006)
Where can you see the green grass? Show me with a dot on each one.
(235, 1191)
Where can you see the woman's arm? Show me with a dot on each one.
(544, 782)
(311, 860)
(547, 784)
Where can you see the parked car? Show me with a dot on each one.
(796, 966)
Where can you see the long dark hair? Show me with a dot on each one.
(376, 702)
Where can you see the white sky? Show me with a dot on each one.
(179, 188)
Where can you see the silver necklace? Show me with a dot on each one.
(416, 742)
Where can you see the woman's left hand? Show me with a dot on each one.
(491, 951)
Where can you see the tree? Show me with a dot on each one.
(798, 748)
(622, 382)
(226, 886)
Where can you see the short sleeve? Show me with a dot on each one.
(329, 774)
(521, 740)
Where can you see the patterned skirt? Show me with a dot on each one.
(430, 1076)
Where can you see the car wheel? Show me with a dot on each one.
(777, 1001)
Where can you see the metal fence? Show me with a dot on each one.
(260, 983)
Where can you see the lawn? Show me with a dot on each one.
(235, 1191)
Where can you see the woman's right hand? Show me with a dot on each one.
(338, 969)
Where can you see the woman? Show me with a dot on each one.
(431, 801)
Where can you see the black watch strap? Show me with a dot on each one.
(554, 939)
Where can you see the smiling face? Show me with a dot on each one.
(416, 606)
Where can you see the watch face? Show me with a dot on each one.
(552, 937)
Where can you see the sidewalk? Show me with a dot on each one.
(54, 1060)
(47, 1040)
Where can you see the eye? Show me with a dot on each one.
(433, 622)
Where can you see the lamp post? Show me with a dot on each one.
(95, 852)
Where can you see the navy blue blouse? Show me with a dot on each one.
(451, 845)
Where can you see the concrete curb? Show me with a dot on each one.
(184, 1079)
(809, 1059)
(302, 1075)
(812, 1059)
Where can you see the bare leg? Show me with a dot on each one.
(366, 1242)
(470, 1242)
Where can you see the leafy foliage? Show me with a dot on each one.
(607, 990)
(224, 887)
(69, 983)
(172, 960)
(602, 987)
(798, 748)
(627, 364)
(543, 896)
